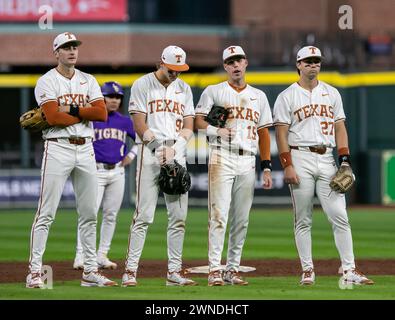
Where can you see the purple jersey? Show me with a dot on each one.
(110, 137)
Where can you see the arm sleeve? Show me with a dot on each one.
(55, 118)
(265, 119)
(138, 98)
(205, 103)
(44, 91)
(338, 107)
(97, 112)
(189, 108)
(281, 111)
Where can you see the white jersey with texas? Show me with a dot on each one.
(311, 116)
(250, 111)
(165, 108)
(78, 90)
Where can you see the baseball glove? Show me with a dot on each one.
(34, 120)
(174, 179)
(217, 116)
(343, 180)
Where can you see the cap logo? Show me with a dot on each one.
(116, 89)
(312, 49)
(163, 58)
(178, 57)
(69, 35)
(232, 49)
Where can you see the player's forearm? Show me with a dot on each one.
(200, 123)
(141, 128)
(56, 118)
(341, 136)
(187, 130)
(282, 139)
(264, 143)
(96, 112)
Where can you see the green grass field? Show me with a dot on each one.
(270, 236)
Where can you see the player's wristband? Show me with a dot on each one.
(74, 110)
(212, 131)
(132, 153)
(266, 165)
(344, 156)
(285, 159)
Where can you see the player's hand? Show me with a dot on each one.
(164, 154)
(290, 176)
(267, 180)
(126, 161)
(226, 134)
(65, 108)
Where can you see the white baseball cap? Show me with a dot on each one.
(232, 51)
(307, 52)
(64, 38)
(174, 57)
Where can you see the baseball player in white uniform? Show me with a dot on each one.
(111, 159)
(232, 162)
(310, 123)
(162, 109)
(70, 100)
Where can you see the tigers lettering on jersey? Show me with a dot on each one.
(110, 133)
(166, 105)
(319, 110)
(243, 113)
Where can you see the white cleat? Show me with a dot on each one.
(308, 277)
(129, 279)
(353, 276)
(104, 263)
(178, 278)
(215, 278)
(78, 262)
(95, 279)
(34, 281)
(232, 277)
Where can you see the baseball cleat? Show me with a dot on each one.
(354, 276)
(215, 278)
(95, 279)
(104, 263)
(78, 262)
(129, 279)
(308, 277)
(34, 281)
(232, 277)
(178, 278)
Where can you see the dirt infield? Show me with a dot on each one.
(63, 270)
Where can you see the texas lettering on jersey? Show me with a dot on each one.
(318, 110)
(70, 98)
(243, 113)
(166, 105)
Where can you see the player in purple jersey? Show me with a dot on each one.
(111, 160)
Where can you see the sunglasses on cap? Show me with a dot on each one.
(312, 60)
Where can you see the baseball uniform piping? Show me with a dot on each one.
(137, 200)
(41, 201)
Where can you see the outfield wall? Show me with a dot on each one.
(368, 102)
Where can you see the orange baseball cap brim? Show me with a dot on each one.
(175, 67)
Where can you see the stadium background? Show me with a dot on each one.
(123, 39)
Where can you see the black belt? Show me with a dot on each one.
(76, 140)
(107, 166)
(240, 152)
(316, 149)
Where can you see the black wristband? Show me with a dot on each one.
(344, 158)
(74, 110)
(266, 164)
